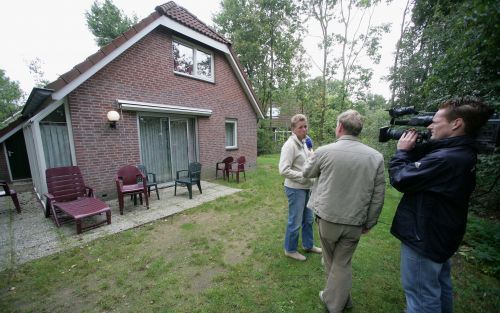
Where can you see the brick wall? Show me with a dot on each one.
(145, 73)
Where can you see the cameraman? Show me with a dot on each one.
(437, 180)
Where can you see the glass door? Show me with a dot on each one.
(180, 145)
(155, 147)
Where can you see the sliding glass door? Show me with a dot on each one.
(168, 144)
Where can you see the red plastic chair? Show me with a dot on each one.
(126, 180)
(69, 199)
(223, 166)
(237, 167)
(7, 192)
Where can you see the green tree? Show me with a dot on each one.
(266, 35)
(450, 49)
(346, 26)
(11, 97)
(359, 37)
(323, 12)
(107, 22)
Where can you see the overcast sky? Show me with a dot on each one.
(55, 31)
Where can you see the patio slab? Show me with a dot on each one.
(29, 235)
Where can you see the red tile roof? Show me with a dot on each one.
(169, 9)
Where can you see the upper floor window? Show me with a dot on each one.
(192, 61)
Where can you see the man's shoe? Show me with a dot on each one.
(314, 249)
(295, 255)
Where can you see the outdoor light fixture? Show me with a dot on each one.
(113, 117)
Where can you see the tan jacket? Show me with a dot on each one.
(292, 160)
(351, 182)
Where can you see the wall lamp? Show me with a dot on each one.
(113, 117)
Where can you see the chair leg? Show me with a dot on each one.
(146, 198)
(190, 190)
(157, 194)
(120, 203)
(78, 226)
(47, 208)
(199, 186)
(108, 217)
(238, 177)
(16, 202)
(175, 189)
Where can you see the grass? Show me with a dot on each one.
(223, 256)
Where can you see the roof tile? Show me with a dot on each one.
(70, 75)
(96, 57)
(130, 33)
(56, 84)
(107, 49)
(84, 66)
(119, 40)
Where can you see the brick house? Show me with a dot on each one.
(180, 93)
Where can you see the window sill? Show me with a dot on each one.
(231, 148)
(195, 77)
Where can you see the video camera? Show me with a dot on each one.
(487, 140)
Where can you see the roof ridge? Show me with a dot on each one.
(164, 8)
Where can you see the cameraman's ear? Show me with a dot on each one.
(458, 123)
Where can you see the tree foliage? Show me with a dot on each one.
(107, 22)
(450, 49)
(266, 36)
(346, 27)
(11, 96)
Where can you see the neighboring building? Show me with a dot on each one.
(179, 90)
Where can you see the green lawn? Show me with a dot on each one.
(224, 256)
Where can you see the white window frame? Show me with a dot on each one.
(195, 48)
(235, 133)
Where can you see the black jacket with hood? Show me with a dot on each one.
(437, 180)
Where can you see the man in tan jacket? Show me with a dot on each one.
(347, 199)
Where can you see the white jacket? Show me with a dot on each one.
(292, 159)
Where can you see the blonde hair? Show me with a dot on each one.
(352, 122)
(297, 118)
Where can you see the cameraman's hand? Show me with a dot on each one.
(408, 140)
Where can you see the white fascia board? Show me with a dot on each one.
(246, 87)
(163, 108)
(12, 132)
(164, 21)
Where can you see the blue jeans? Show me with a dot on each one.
(427, 284)
(298, 215)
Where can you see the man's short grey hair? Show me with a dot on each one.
(352, 122)
(297, 118)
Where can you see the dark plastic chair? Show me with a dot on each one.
(69, 199)
(151, 180)
(7, 192)
(238, 167)
(190, 176)
(223, 166)
(126, 181)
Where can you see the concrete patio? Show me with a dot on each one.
(29, 235)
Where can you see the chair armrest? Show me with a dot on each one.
(177, 174)
(119, 184)
(50, 196)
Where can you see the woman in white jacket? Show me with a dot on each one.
(293, 157)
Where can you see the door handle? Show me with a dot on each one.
(10, 153)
